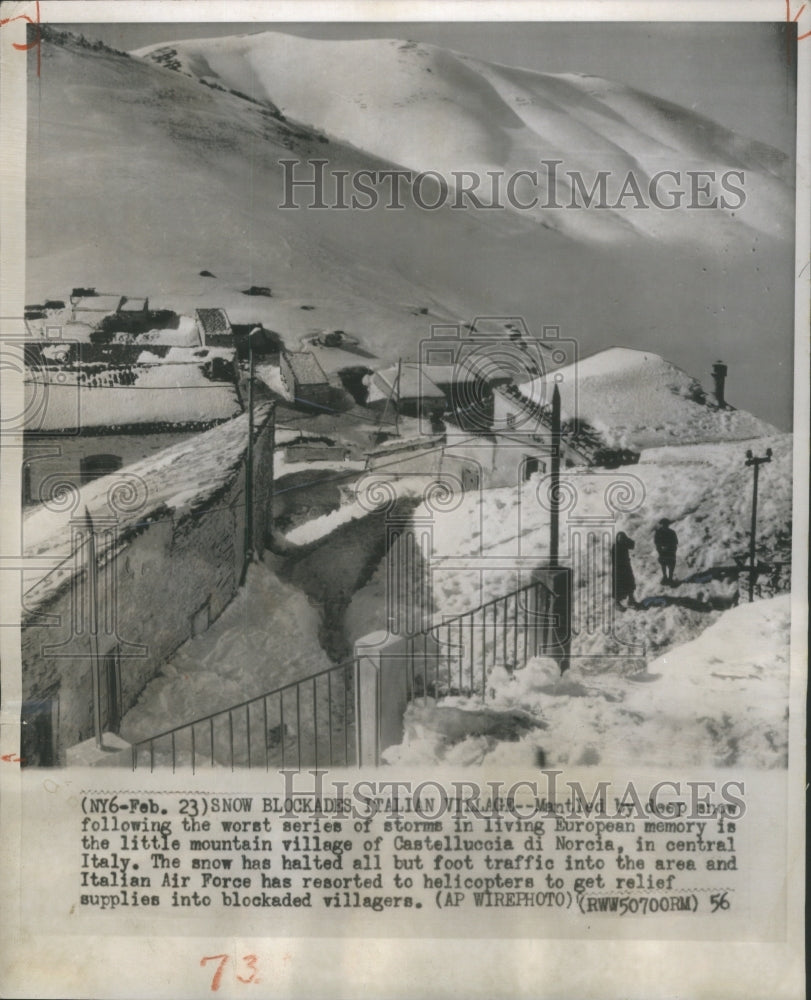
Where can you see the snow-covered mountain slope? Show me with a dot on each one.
(637, 400)
(429, 108)
(141, 178)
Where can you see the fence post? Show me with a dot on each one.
(553, 608)
(382, 671)
(367, 698)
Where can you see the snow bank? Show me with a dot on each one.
(319, 527)
(720, 700)
(266, 637)
(185, 334)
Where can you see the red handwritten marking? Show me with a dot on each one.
(37, 44)
(215, 982)
(249, 960)
(794, 20)
(12, 758)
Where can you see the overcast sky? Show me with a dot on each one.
(735, 73)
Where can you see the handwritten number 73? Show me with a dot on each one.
(222, 960)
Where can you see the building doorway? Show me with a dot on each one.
(94, 466)
(40, 726)
(531, 466)
(110, 691)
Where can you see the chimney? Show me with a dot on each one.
(719, 375)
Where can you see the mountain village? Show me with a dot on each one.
(170, 469)
(306, 488)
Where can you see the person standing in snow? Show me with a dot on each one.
(624, 582)
(666, 541)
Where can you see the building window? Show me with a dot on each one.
(531, 466)
(27, 498)
(94, 466)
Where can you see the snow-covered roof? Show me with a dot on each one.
(189, 355)
(94, 397)
(636, 399)
(102, 302)
(185, 334)
(413, 383)
(213, 321)
(136, 304)
(176, 482)
(305, 367)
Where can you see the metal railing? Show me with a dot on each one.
(312, 722)
(306, 723)
(456, 656)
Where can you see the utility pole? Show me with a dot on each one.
(271, 487)
(554, 489)
(248, 554)
(397, 404)
(755, 462)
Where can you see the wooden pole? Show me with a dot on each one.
(271, 487)
(249, 465)
(752, 533)
(755, 462)
(554, 522)
(248, 544)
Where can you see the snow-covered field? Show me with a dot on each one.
(705, 490)
(715, 671)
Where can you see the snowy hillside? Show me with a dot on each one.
(175, 184)
(179, 479)
(637, 400)
(428, 108)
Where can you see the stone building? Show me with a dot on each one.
(304, 379)
(131, 566)
(88, 419)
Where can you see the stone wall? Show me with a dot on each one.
(57, 458)
(166, 580)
